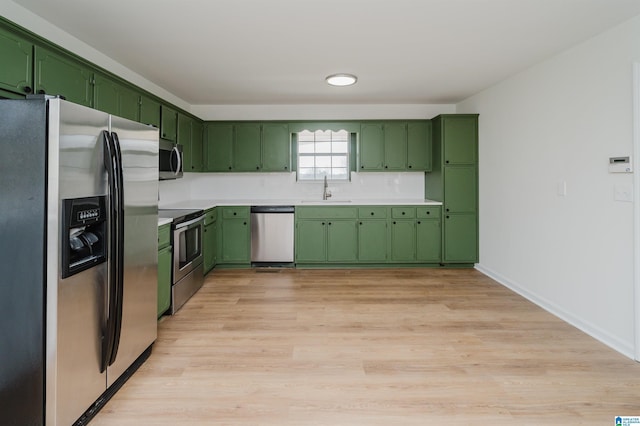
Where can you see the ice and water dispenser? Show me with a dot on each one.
(84, 234)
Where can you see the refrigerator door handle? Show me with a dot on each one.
(118, 296)
(112, 255)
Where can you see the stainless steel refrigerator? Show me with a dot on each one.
(78, 257)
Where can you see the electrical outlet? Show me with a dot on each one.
(623, 192)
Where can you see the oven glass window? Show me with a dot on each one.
(189, 245)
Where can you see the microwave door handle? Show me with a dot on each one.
(176, 151)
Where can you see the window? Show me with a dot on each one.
(323, 153)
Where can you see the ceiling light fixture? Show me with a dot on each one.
(341, 79)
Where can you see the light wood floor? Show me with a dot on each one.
(371, 347)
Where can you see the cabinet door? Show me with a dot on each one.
(209, 247)
(403, 240)
(184, 136)
(236, 242)
(372, 240)
(395, 146)
(460, 189)
(105, 95)
(149, 111)
(460, 139)
(164, 279)
(276, 151)
(460, 238)
(428, 240)
(114, 98)
(197, 157)
(56, 74)
(168, 123)
(16, 72)
(311, 240)
(371, 146)
(219, 147)
(246, 147)
(129, 103)
(419, 146)
(342, 241)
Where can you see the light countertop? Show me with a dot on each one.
(164, 221)
(207, 204)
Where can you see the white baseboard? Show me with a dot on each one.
(597, 333)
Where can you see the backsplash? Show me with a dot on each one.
(278, 186)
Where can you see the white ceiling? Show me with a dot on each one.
(214, 52)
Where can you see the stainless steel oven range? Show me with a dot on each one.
(186, 238)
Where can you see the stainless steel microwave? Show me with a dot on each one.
(170, 160)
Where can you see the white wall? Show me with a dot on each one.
(320, 112)
(558, 122)
(41, 27)
(283, 186)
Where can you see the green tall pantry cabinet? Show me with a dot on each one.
(454, 181)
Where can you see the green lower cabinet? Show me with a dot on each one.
(460, 238)
(428, 241)
(372, 240)
(311, 242)
(209, 247)
(403, 240)
(342, 241)
(234, 245)
(164, 279)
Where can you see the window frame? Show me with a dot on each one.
(348, 155)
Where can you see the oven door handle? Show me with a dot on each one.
(191, 222)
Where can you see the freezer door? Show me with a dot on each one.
(75, 305)
(139, 148)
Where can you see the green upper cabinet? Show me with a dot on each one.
(460, 191)
(371, 146)
(246, 147)
(219, 147)
(197, 156)
(185, 132)
(58, 74)
(190, 137)
(149, 111)
(16, 72)
(168, 123)
(276, 147)
(419, 146)
(461, 136)
(115, 98)
(395, 146)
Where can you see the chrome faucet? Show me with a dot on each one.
(326, 193)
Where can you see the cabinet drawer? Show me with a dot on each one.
(210, 216)
(372, 212)
(235, 212)
(403, 212)
(164, 235)
(326, 212)
(431, 212)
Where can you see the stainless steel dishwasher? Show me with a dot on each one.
(272, 236)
